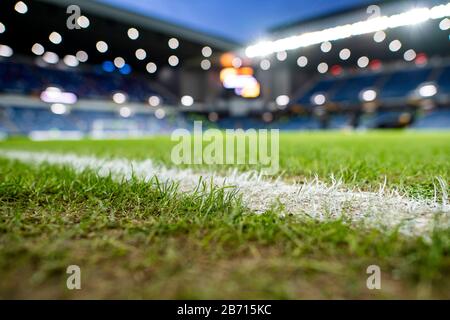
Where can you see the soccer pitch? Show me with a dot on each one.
(135, 236)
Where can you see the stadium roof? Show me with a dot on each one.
(140, 20)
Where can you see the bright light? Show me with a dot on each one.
(282, 100)
(50, 57)
(119, 62)
(372, 25)
(55, 37)
(238, 81)
(173, 61)
(125, 112)
(250, 90)
(82, 56)
(6, 51)
(344, 54)
(133, 33)
(443, 25)
(302, 61)
(264, 64)
(160, 114)
(141, 54)
(119, 98)
(326, 46)
(2, 28)
(58, 108)
(322, 67)
(154, 101)
(409, 55)
(187, 101)
(38, 49)
(237, 62)
(83, 22)
(151, 67)
(282, 55)
(55, 95)
(205, 64)
(21, 7)
(395, 45)
(368, 95)
(363, 62)
(173, 43)
(319, 99)
(206, 52)
(427, 90)
(379, 36)
(102, 46)
(71, 61)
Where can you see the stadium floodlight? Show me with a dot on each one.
(2, 28)
(206, 52)
(38, 49)
(363, 62)
(409, 55)
(119, 62)
(21, 7)
(345, 54)
(83, 22)
(82, 56)
(322, 67)
(281, 56)
(264, 64)
(302, 61)
(427, 90)
(173, 43)
(151, 67)
(154, 101)
(379, 36)
(119, 97)
(381, 23)
(71, 61)
(133, 33)
(443, 25)
(368, 95)
(101, 46)
(326, 46)
(50, 57)
(58, 108)
(205, 64)
(282, 100)
(318, 99)
(55, 37)
(395, 45)
(141, 54)
(6, 51)
(160, 113)
(187, 101)
(125, 112)
(173, 61)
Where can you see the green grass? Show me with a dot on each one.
(141, 240)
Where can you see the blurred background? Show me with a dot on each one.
(110, 68)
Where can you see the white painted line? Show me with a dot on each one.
(383, 209)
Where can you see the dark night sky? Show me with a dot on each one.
(240, 20)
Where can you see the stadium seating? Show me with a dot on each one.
(24, 78)
(390, 85)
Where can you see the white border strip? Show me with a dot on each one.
(383, 209)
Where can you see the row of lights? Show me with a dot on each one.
(154, 101)
(426, 90)
(381, 23)
(101, 46)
